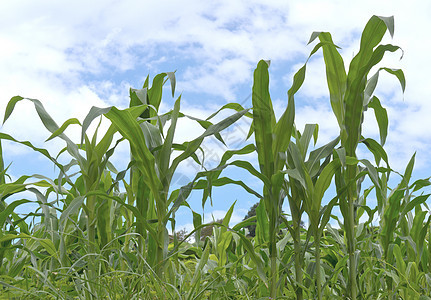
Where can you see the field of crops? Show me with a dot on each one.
(102, 233)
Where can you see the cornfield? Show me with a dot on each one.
(103, 233)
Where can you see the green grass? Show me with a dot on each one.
(105, 236)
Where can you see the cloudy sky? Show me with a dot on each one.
(73, 55)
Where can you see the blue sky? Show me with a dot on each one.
(76, 54)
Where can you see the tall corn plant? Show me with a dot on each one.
(350, 95)
(308, 182)
(92, 167)
(402, 218)
(272, 140)
(153, 167)
(18, 228)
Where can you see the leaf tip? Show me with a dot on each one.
(313, 36)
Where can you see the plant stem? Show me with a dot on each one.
(351, 249)
(317, 256)
(298, 261)
(161, 236)
(273, 255)
(91, 227)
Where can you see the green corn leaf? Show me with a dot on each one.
(102, 147)
(322, 184)
(103, 212)
(305, 138)
(359, 68)
(155, 92)
(377, 150)
(372, 82)
(408, 172)
(223, 244)
(245, 223)
(197, 223)
(283, 128)
(389, 22)
(17, 266)
(303, 172)
(371, 37)
(263, 119)
(412, 204)
(4, 214)
(313, 162)
(420, 183)
(340, 153)
(171, 77)
(248, 246)
(10, 107)
(418, 222)
(129, 129)
(381, 117)
(144, 221)
(262, 225)
(146, 82)
(2, 167)
(370, 87)
(399, 74)
(223, 181)
(46, 119)
(92, 114)
(314, 35)
(200, 267)
(235, 106)
(49, 124)
(10, 236)
(63, 128)
(372, 172)
(71, 209)
(401, 265)
(227, 217)
(230, 153)
(49, 246)
(153, 137)
(9, 189)
(335, 74)
(296, 174)
(316, 133)
(183, 194)
(390, 218)
(249, 167)
(139, 97)
(421, 240)
(325, 214)
(165, 153)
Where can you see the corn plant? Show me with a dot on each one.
(272, 139)
(350, 95)
(143, 129)
(308, 181)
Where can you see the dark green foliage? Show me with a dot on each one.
(251, 212)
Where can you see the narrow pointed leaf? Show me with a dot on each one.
(263, 118)
(381, 117)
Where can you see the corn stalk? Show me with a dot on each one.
(350, 95)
